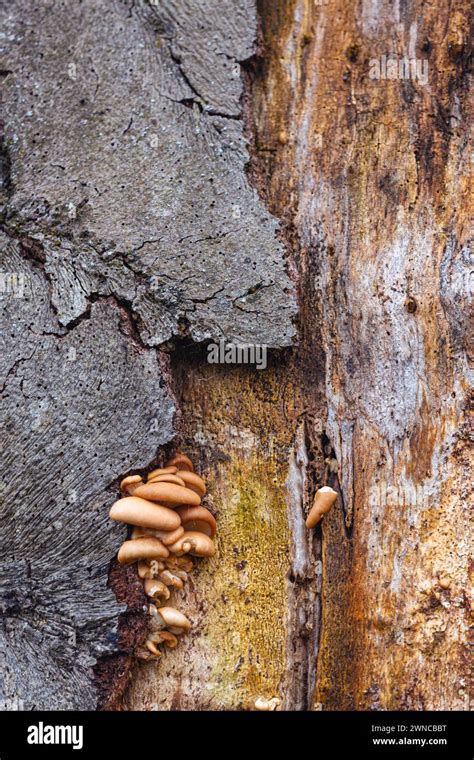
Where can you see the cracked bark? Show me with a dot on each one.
(132, 263)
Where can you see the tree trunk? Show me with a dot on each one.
(187, 171)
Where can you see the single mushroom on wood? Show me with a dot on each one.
(323, 501)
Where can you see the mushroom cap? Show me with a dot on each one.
(168, 492)
(161, 471)
(173, 619)
(324, 498)
(193, 542)
(156, 589)
(169, 478)
(136, 511)
(197, 519)
(166, 536)
(169, 578)
(151, 646)
(182, 461)
(141, 548)
(169, 639)
(192, 481)
(129, 483)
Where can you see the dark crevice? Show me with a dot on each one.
(6, 182)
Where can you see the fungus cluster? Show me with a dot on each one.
(168, 524)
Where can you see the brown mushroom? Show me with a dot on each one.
(167, 479)
(179, 563)
(151, 646)
(323, 501)
(168, 493)
(197, 519)
(141, 548)
(156, 589)
(166, 536)
(181, 461)
(161, 471)
(151, 568)
(192, 542)
(169, 639)
(169, 578)
(192, 481)
(172, 619)
(130, 483)
(136, 511)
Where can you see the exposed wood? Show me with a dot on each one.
(372, 179)
(189, 170)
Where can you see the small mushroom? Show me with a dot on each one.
(181, 461)
(179, 563)
(166, 536)
(141, 548)
(170, 579)
(130, 484)
(136, 511)
(197, 519)
(151, 646)
(167, 479)
(267, 705)
(160, 637)
(156, 589)
(192, 481)
(172, 619)
(192, 542)
(151, 568)
(168, 493)
(323, 501)
(161, 471)
(169, 639)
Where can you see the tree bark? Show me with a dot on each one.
(186, 171)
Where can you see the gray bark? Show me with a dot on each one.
(129, 220)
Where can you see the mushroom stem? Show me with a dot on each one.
(195, 543)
